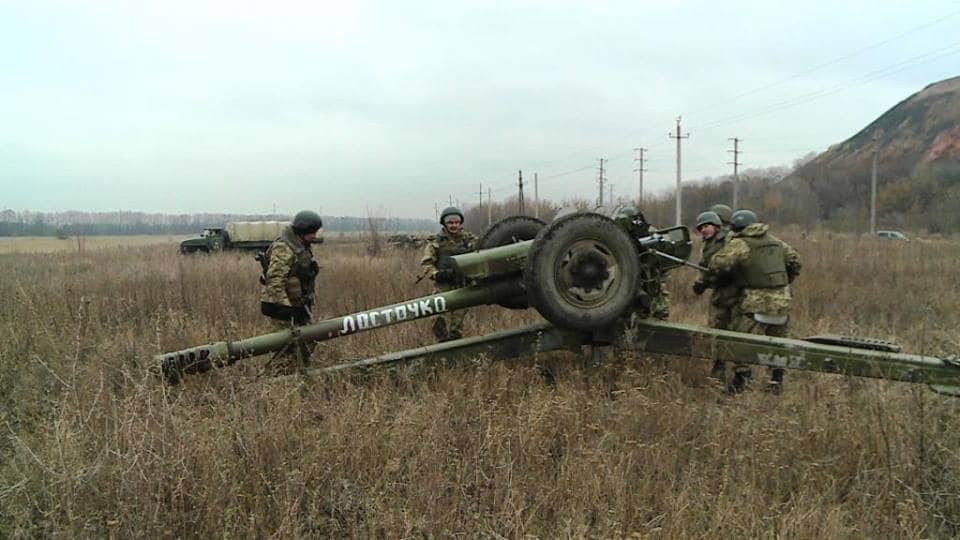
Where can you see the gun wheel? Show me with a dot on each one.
(582, 272)
(511, 230)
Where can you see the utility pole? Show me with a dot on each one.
(873, 188)
(600, 180)
(736, 176)
(639, 170)
(436, 211)
(536, 196)
(610, 191)
(489, 207)
(679, 137)
(480, 208)
(450, 197)
(520, 194)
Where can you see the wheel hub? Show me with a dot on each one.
(588, 271)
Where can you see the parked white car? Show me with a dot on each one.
(893, 235)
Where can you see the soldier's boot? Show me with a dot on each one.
(718, 371)
(775, 386)
(741, 378)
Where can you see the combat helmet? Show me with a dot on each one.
(630, 214)
(709, 217)
(741, 219)
(723, 211)
(450, 211)
(632, 219)
(306, 222)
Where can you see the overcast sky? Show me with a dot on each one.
(390, 108)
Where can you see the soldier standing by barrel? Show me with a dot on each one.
(763, 266)
(287, 293)
(725, 296)
(452, 240)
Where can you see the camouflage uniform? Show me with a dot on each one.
(763, 266)
(655, 302)
(287, 294)
(725, 295)
(446, 326)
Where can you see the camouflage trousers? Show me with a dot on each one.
(293, 358)
(745, 323)
(720, 317)
(660, 306)
(448, 326)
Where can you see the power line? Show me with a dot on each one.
(834, 61)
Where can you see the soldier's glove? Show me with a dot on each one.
(314, 267)
(699, 287)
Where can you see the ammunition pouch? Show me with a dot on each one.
(446, 274)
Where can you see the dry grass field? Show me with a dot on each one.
(94, 446)
(49, 244)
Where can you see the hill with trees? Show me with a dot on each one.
(917, 147)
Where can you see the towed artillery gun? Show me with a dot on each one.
(594, 278)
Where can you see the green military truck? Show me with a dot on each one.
(244, 235)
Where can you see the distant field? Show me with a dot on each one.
(49, 244)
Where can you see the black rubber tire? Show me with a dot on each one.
(582, 272)
(510, 230)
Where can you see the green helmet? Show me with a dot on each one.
(306, 222)
(627, 212)
(450, 211)
(742, 218)
(709, 217)
(723, 211)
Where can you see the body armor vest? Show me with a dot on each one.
(451, 246)
(765, 268)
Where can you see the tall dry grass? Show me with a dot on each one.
(94, 446)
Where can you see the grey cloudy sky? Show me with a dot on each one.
(388, 108)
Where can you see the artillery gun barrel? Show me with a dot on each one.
(203, 358)
(492, 263)
(669, 257)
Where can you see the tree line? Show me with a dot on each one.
(75, 223)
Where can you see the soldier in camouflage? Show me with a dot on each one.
(763, 266)
(656, 300)
(452, 240)
(287, 293)
(726, 294)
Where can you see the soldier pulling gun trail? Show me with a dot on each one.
(596, 277)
